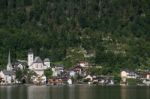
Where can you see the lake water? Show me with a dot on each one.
(74, 92)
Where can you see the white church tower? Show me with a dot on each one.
(30, 57)
(9, 65)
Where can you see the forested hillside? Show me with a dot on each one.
(118, 31)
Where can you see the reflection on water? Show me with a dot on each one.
(123, 92)
(74, 92)
(135, 92)
(5, 93)
(147, 93)
(10, 92)
(85, 92)
(71, 92)
(37, 92)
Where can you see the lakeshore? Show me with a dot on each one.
(36, 71)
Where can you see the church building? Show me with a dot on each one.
(36, 64)
(8, 75)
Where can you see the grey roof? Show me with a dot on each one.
(37, 60)
(46, 60)
(6, 72)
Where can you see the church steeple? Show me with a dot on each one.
(9, 65)
(30, 57)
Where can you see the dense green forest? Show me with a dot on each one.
(117, 31)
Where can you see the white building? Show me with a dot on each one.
(128, 74)
(47, 62)
(8, 75)
(36, 64)
(123, 76)
(57, 70)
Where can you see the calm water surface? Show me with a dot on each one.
(74, 92)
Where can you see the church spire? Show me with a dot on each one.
(9, 66)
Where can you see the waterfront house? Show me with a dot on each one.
(144, 75)
(123, 76)
(72, 73)
(77, 69)
(148, 76)
(9, 76)
(57, 70)
(129, 74)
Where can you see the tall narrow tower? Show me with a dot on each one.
(30, 57)
(9, 65)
